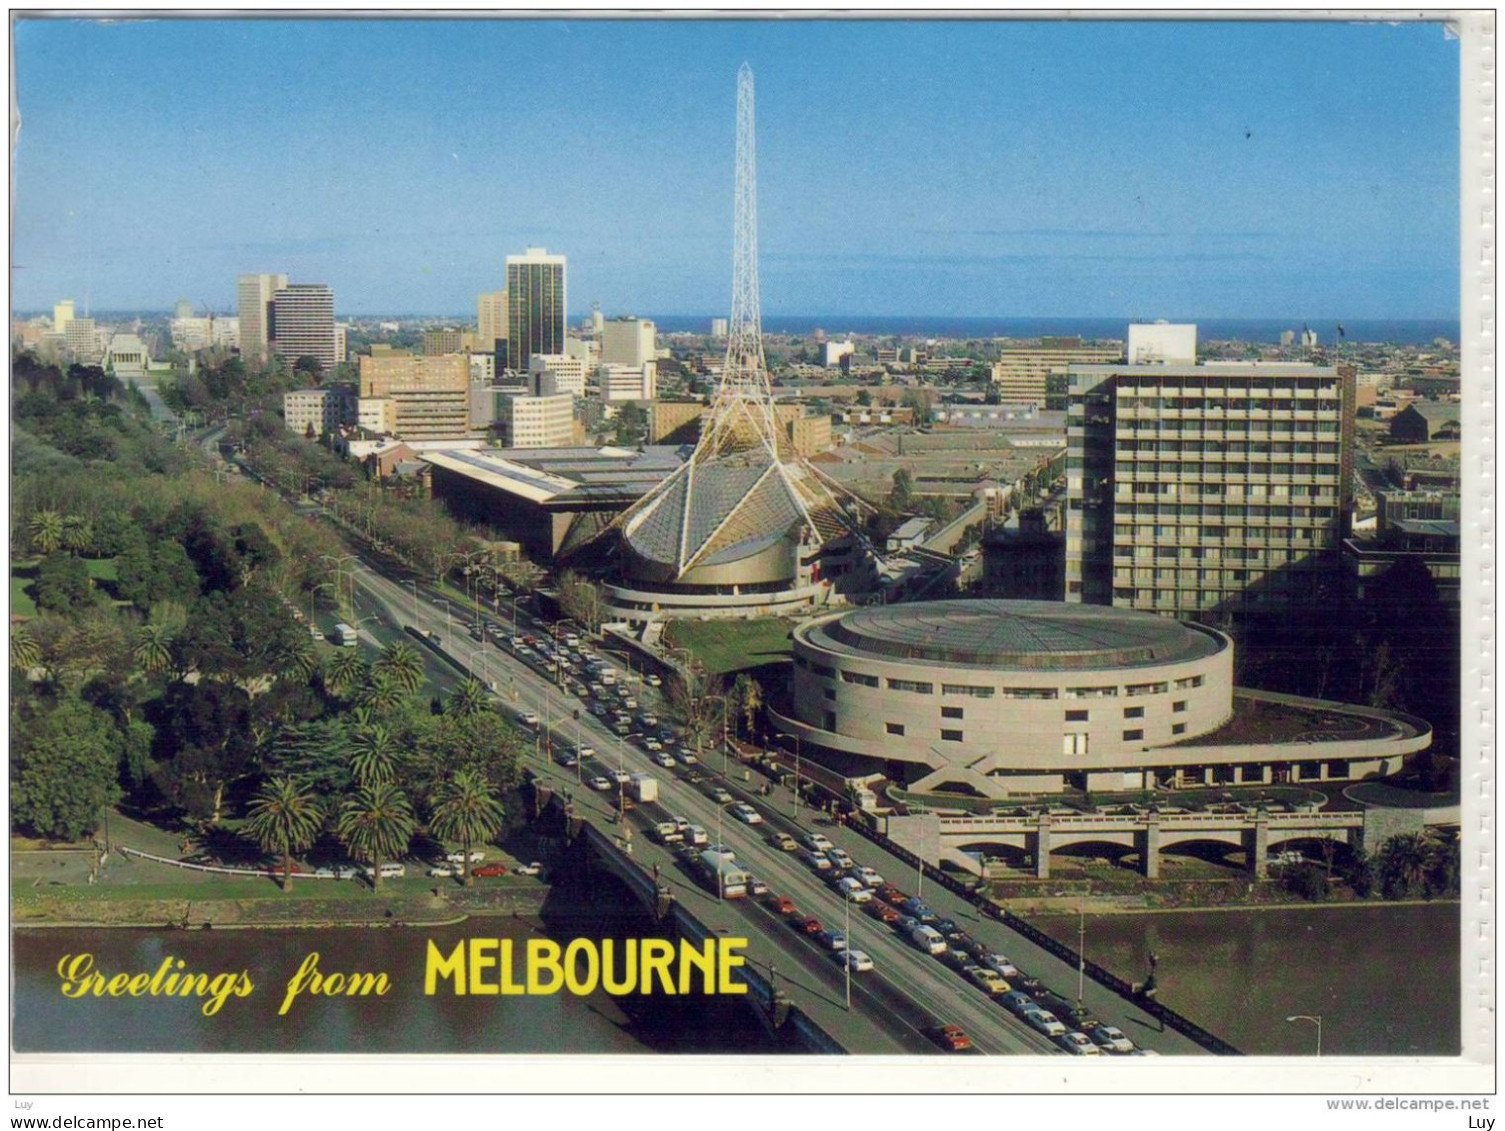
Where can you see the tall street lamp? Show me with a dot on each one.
(1315, 1020)
(414, 584)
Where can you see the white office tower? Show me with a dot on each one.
(745, 525)
(1162, 343)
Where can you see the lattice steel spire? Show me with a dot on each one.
(742, 412)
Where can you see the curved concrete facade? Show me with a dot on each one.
(1002, 698)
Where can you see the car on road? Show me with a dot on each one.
(647, 718)
(841, 859)
(747, 814)
(567, 759)
(597, 710)
(882, 911)
(859, 960)
(852, 889)
(950, 1037)
(756, 886)
(1043, 1021)
(489, 870)
(808, 924)
(1077, 1044)
(533, 869)
(586, 751)
(529, 718)
(663, 758)
(928, 940)
(598, 782)
(816, 860)
(817, 843)
(892, 895)
(919, 910)
(1000, 965)
(686, 758)
(621, 777)
(721, 795)
(783, 842)
(780, 904)
(652, 744)
(316, 634)
(1018, 1002)
(985, 980)
(696, 835)
(653, 681)
(869, 877)
(832, 940)
(667, 832)
(1110, 1038)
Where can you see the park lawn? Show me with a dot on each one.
(21, 604)
(102, 569)
(723, 646)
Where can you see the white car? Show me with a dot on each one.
(747, 814)
(696, 835)
(869, 877)
(446, 870)
(687, 759)
(1001, 965)
(529, 718)
(818, 842)
(598, 782)
(533, 869)
(1110, 1038)
(653, 681)
(621, 777)
(816, 860)
(853, 890)
(388, 871)
(721, 795)
(1043, 1021)
(858, 960)
(841, 859)
(1077, 1044)
(586, 752)
(652, 744)
(476, 856)
(663, 759)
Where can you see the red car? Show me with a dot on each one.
(809, 925)
(489, 870)
(891, 895)
(882, 911)
(782, 904)
(950, 1037)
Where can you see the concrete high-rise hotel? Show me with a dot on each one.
(1200, 489)
(535, 306)
(303, 323)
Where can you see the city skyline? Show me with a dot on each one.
(1001, 186)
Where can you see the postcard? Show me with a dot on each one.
(953, 547)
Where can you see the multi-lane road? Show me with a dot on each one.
(891, 1005)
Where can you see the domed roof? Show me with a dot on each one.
(1022, 635)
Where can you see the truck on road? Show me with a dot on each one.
(643, 787)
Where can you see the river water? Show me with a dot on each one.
(1384, 978)
(402, 1021)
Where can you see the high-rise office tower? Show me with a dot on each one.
(628, 341)
(491, 319)
(535, 306)
(303, 323)
(253, 302)
(1198, 489)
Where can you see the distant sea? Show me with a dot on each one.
(1397, 331)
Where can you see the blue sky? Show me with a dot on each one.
(960, 168)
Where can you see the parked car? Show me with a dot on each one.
(388, 871)
(489, 870)
(476, 856)
(445, 870)
(533, 869)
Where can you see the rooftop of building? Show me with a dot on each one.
(1223, 370)
(1261, 718)
(1021, 635)
(558, 475)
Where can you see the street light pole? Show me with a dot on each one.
(414, 584)
(1315, 1019)
(1081, 948)
(847, 932)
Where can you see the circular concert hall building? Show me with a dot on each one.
(1006, 698)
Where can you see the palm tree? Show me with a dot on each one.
(25, 652)
(345, 671)
(153, 650)
(471, 697)
(284, 819)
(374, 757)
(76, 534)
(465, 809)
(1404, 861)
(381, 693)
(403, 663)
(375, 825)
(46, 531)
(299, 659)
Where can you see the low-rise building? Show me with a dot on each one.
(126, 357)
(1422, 422)
(622, 383)
(526, 421)
(1035, 374)
(316, 410)
(567, 372)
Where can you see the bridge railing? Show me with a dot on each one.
(1122, 821)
